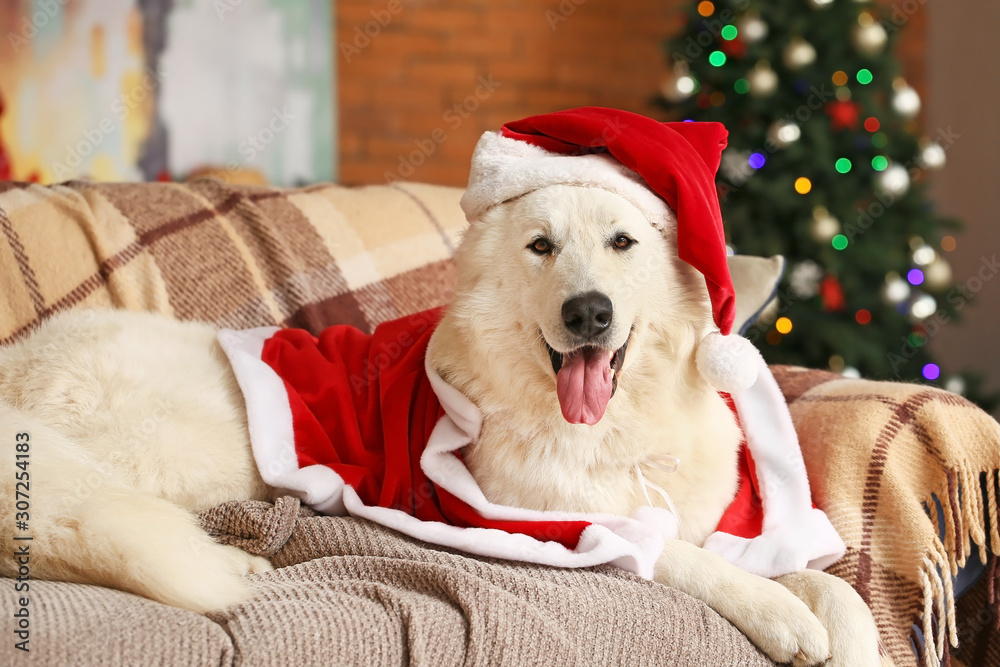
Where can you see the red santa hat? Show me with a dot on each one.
(661, 168)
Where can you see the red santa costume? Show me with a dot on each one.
(359, 424)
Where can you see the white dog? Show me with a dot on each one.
(136, 422)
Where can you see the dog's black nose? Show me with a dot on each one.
(588, 314)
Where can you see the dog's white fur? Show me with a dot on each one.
(135, 421)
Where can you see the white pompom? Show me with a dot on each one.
(728, 363)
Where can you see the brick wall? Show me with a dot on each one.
(418, 93)
(420, 80)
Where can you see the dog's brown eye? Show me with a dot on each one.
(623, 242)
(541, 246)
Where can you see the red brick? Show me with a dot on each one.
(478, 44)
(441, 20)
(443, 73)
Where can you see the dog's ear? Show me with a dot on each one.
(756, 282)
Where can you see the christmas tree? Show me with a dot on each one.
(827, 165)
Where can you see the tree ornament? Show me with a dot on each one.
(869, 37)
(823, 226)
(905, 99)
(844, 114)
(836, 363)
(923, 254)
(932, 155)
(762, 79)
(955, 384)
(734, 48)
(937, 275)
(735, 166)
(923, 306)
(679, 85)
(781, 133)
(804, 279)
(896, 290)
(752, 28)
(799, 53)
(894, 181)
(832, 294)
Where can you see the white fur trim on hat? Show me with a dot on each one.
(728, 363)
(505, 168)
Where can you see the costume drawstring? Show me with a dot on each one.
(666, 464)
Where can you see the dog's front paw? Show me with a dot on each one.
(779, 624)
(853, 633)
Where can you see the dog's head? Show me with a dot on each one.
(565, 289)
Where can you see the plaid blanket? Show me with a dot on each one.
(877, 453)
(234, 256)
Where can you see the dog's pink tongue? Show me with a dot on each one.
(584, 385)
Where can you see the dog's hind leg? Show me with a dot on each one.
(139, 543)
(88, 526)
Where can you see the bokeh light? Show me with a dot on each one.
(839, 78)
(757, 160)
(717, 58)
(915, 277)
(872, 124)
(843, 165)
(741, 86)
(863, 316)
(706, 8)
(864, 77)
(803, 185)
(729, 32)
(783, 325)
(839, 242)
(879, 163)
(948, 243)
(931, 371)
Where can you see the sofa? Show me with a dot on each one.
(892, 464)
